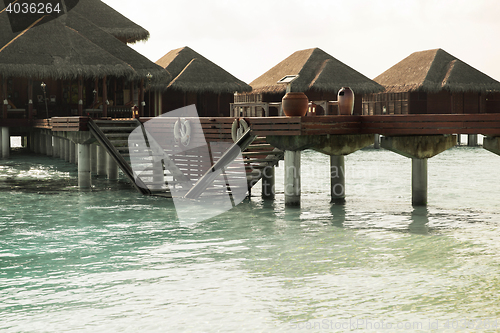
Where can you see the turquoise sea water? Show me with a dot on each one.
(111, 260)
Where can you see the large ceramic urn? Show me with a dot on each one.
(295, 104)
(345, 98)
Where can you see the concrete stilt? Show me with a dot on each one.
(84, 175)
(5, 142)
(333, 145)
(376, 142)
(111, 168)
(34, 136)
(64, 152)
(93, 159)
(56, 149)
(419, 149)
(472, 140)
(48, 144)
(101, 161)
(72, 152)
(158, 176)
(61, 148)
(337, 176)
(67, 149)
(31, 139)
(419, 181)
(268, 182)
(42, 144)
(292, 178)
(492, 143)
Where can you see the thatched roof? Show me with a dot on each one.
(95, 11)
(318, 71)
(192, 72)
(433, 71)
(49, 48)
(111, 21)
(137, 61)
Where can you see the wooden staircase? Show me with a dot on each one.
(258, 156)
(114, 136)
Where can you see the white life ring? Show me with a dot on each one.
(238, 128)
(182, 132)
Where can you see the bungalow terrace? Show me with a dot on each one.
(433, 82)
(197, 80)
(320, 77)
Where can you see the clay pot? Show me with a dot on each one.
(295, 104)
(345, 98)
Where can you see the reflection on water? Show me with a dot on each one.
(112, 260)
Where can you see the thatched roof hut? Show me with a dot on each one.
(96, 11)
(318, 71)
(111, 21)
(51, 49)
(142, 65)
(191, 72)
(433, 71)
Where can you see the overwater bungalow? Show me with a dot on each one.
(197, 80)
(320, 77)
(431, 82)
(70, 66)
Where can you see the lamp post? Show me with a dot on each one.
(43, 85)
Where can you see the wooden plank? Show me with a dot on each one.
(261, 127)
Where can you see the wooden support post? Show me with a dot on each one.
(292, 178)
(104, 97)
(132, 92)
(5, 98)
(80, 96)
(114, 90)
(141, 98)
(30, 99)
(96, 94)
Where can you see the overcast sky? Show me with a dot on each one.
(247, 38)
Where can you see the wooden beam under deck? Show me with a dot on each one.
(219, 128)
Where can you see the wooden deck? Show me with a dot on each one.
(219, 128)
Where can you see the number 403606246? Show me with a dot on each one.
(19, 7)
